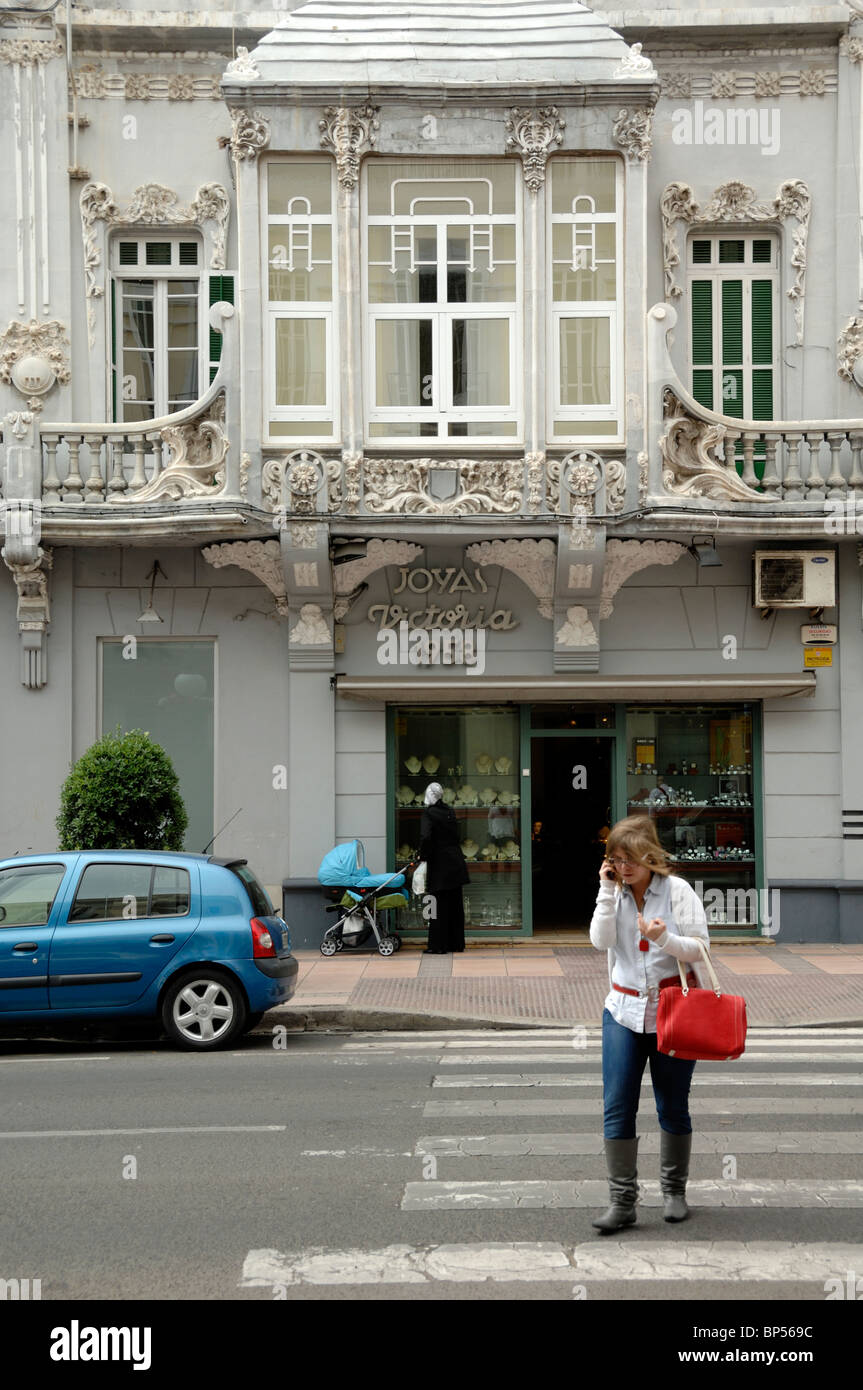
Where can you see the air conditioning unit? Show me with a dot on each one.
(794, 579)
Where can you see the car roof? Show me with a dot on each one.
(67, 856)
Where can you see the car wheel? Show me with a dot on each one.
(252, 1021)
(204, 1010)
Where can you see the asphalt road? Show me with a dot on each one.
(292, 1168)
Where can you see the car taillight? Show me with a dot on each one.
(262, 941)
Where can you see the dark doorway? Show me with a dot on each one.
(570, 815)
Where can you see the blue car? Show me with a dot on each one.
(187, 940)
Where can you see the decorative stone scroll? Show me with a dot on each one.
(197, 457)
(737, 202)
(349, 132)
(533, 562)
(405, 485)
(688, 468)
(263, 559)
(34, 612)
(532, 133)
(849, 349)
(250, 133)
(633, 132)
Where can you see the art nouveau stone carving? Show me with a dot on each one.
(34, 612)
(250, 133)
(245, 466)
(690, 470)
(30, 52)
(535, 469)
(533, 133)
(34, 355)
(304, 535)
(263, 559)
(849, 348)
(635, 64)
(578, 630)
(737, 202)
(402, 485)
(352, 465)
(615, 485)
(533, 562)
(643, 475)
(243, 65)
(196, 466)
(379, 554)
(349, 133)
(623, 559)
(580, 576)
(633, 132)
(311, 628)
(304, 475)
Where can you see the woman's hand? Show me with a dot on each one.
(654, 930)
(606, 872)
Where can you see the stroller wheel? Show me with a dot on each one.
(329, 947)
(398, 941)
(387, 945)
(340, 945)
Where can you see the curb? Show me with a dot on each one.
(326, 1017)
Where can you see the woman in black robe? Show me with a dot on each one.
(447, 873)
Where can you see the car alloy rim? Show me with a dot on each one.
(203, 1010)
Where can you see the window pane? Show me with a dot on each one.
(409, 429)
(474, 272)
(403, 362)
(480, 362)
(503, 428)
(585, 361)
(300, 263)
(301, 347)
(169, 693)
(730, 252)
(300, 186)
(111, 893)
(138, 384)
(413, 252)
(27, 894)
(585, 429)
(590, 248)
(440, 187)
(170, 892)
(573, 179)
(182, 322)
(138, 319)
(182, 376)
(296, 429)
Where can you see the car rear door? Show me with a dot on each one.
(125, 921)
(30, 903)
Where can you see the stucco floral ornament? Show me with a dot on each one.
(33, 356)
(533, 133)
(349, 133)
(304, 475)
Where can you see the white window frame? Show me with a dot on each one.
(275, 310)
(442, 314)
(581, 220)
(746, 271)
(160, 275)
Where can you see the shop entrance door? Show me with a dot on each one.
(571, 781)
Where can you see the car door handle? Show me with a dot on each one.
(26, 946)
(164, 939)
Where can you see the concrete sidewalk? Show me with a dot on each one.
(507, 985)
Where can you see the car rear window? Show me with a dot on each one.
(118, 892)
(261, 905)
(27, 894)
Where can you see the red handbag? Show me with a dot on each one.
(700, 1025)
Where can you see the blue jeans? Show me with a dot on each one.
(624, 1054)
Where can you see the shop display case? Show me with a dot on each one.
(473, 754)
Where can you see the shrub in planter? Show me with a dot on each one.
(123, 793)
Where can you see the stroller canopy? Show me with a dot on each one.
(344, 867)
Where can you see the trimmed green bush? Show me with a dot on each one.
(123, 793)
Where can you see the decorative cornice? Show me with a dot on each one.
(533, 562)
(349, 132)
(736, 84)
(30, 52)
(92, 83)
(250, 133)
(633, 132)
(263, 559)
(737, 202)
(532, 133)
(849, 350)
(404, 485)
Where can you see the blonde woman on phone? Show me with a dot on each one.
(642, 912)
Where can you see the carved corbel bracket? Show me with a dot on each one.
(533, 562)
(349, 578)
(349, 132)
(263, 559)
(34, 612)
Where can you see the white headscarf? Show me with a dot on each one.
(434, 792)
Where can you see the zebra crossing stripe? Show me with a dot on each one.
(590, 1192)
(707, 1105)
(549, 1145)
(771, 1079)
(579, 1057)
(791, 1262)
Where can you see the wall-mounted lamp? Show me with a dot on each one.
(149, 614)
(703, 551)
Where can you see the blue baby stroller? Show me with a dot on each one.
(359, 896)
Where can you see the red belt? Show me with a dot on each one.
(669, 980)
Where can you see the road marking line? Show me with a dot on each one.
(581, 1057)
(547, 1262)
(796, 1142)
(593, 1192)
(100, 1133)
(707, 1105)
(16, 1061)
(771, 1079)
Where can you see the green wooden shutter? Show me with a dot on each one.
(702, 342)
(114, 415)
(221, 288)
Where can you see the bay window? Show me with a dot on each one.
(586, 351)
(442, 289)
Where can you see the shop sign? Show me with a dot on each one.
(819, 633)
(443, 590)
(817, 656)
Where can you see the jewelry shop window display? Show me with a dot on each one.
(473, 753)
(690, 768)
